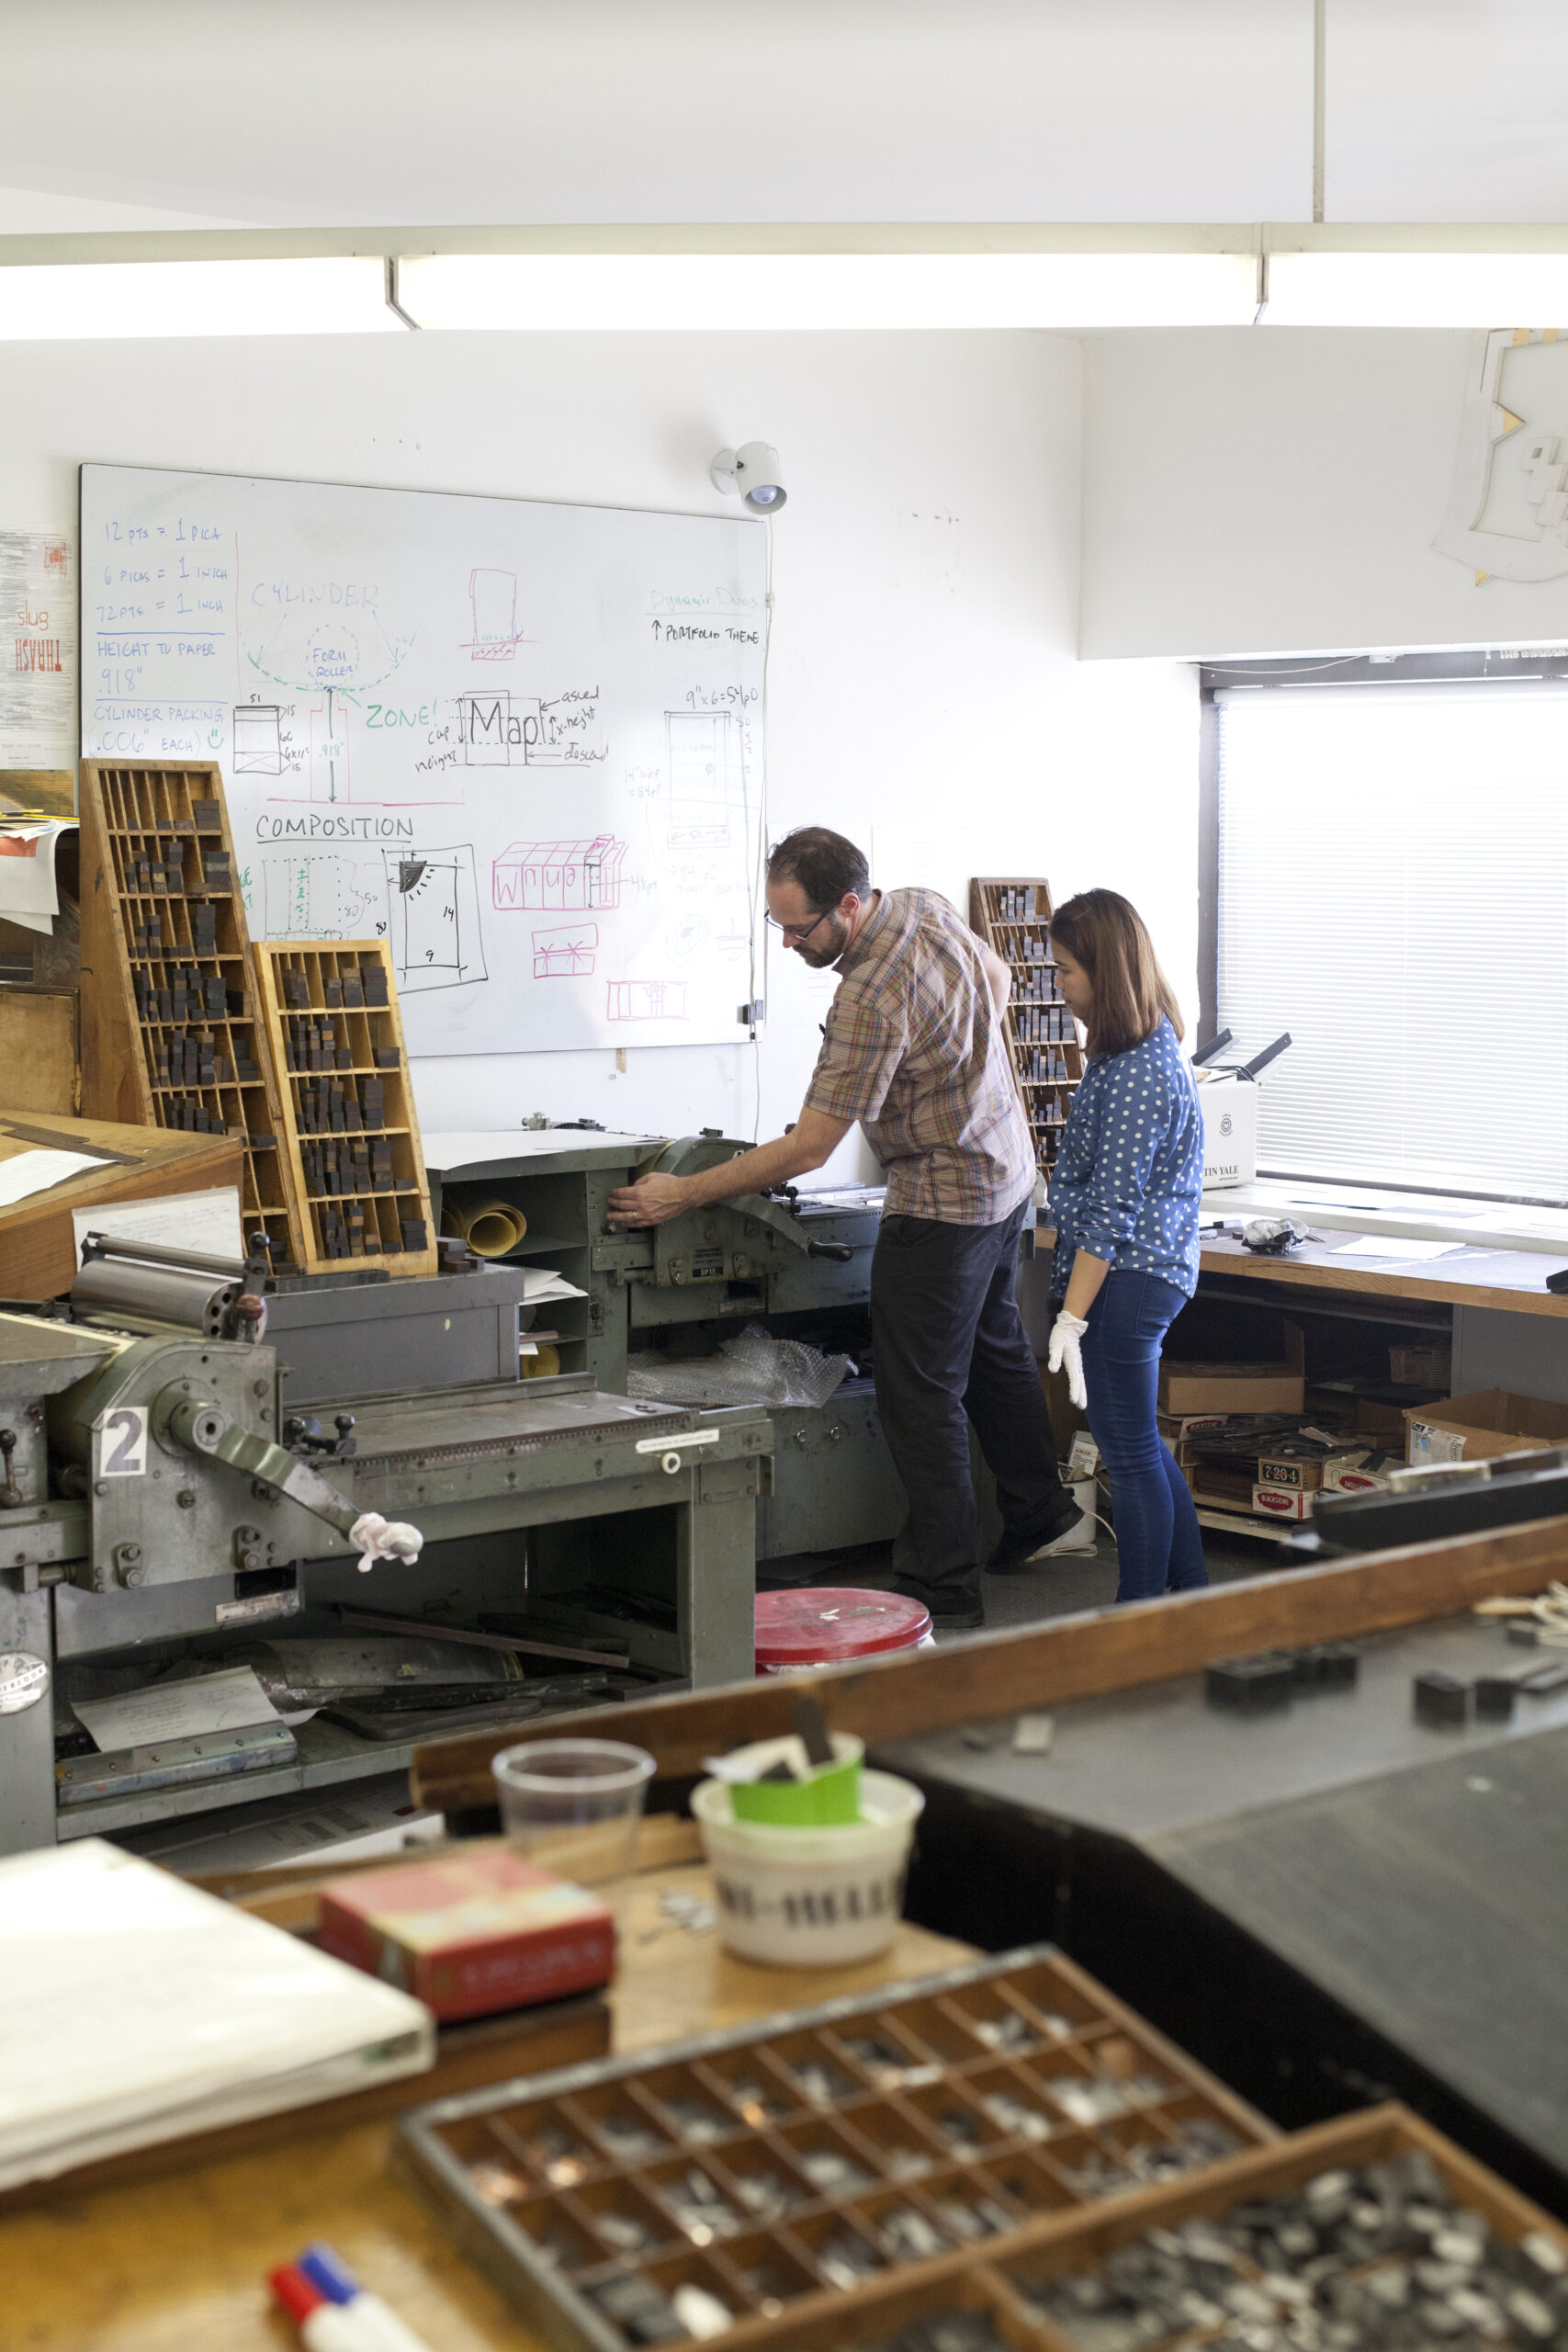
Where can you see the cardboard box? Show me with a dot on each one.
(1430, 1366)
(1281, 1502)
(1293, 1471)
(1474, 1428)
(1225, 1480)
(1277, 1387)
(471, 1935)
(1356, 1473)
(1229, 1109)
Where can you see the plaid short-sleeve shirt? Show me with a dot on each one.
(913, 1047)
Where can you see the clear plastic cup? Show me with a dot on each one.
(573, 1806)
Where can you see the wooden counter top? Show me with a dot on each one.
(1511, 1280)
(178, 2262)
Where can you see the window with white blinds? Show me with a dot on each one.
(1394, 891)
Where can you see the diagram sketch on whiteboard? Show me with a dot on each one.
(306, 896)
(569, 874)
(433, 919)
(645, 1001)
(501, 730)
(492, 602)
(687, 939)
(258, 739)
(329, 752)
(567, 953)
(706, 787)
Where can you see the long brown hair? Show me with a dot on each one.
(1105, 933)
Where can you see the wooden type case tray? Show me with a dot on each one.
(1003, 2288)
(350, 1129)
(831, 2155)
(169, 1032)
(1041, 1037)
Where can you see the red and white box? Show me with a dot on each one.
(1282, 1502)
(470, 1934)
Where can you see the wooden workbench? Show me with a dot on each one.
(177, 2262)
(1512, 1281)
(37, 1250)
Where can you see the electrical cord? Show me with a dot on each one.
(754, 883)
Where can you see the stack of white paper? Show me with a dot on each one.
(540, 1282)
(137, 2009)
(28, 893)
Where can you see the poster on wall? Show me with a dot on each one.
(38, 651)
(1507, 516)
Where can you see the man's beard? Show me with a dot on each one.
(825, 946)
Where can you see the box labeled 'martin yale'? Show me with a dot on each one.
(471, 1935)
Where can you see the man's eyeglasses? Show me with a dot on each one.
(796, 930)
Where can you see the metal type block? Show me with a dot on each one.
(1441, 1699)
(1251, 1685)
(1494, 1696)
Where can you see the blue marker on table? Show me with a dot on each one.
(331, 2277)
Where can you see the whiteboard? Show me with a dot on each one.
(521, 742)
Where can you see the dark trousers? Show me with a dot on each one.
(950, 1348)
(1157, 1540)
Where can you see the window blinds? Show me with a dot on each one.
(1394, 890)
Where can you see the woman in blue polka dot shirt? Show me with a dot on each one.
(1124, 1201)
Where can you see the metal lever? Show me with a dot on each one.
(199, 1425)
(840, 1250)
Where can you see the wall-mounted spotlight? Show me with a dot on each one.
(753, 474)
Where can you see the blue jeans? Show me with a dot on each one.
(1157, 1525)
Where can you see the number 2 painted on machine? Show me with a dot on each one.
(123, 1453)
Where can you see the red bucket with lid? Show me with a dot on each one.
(828, 1624)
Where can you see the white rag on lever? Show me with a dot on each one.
(374, 1538)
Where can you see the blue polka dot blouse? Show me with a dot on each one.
(1130, 1170)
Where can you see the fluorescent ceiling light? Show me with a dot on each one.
(1417, 289)
(342, 295)
(779, 291)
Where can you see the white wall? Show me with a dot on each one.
(1258, 490)
(924, 697)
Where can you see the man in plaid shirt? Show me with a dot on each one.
(914, 1048)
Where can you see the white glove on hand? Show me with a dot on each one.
(376, 1538)
(1066, 1331)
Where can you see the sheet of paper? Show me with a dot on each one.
(206, 1222)
(208, 1702)
(38, 677)
(27, 887)
(36, 1172)
(539, 1283)
(1396, 1247)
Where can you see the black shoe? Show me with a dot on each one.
(951, 1613)
(1036, 1538)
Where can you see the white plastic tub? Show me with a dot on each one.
(810, 1898)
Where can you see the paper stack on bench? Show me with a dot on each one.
(137, 2010)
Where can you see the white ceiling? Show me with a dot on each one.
(168, 113)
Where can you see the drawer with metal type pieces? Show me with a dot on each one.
(171, 1033)
(753, 2184)
(350, 1129)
